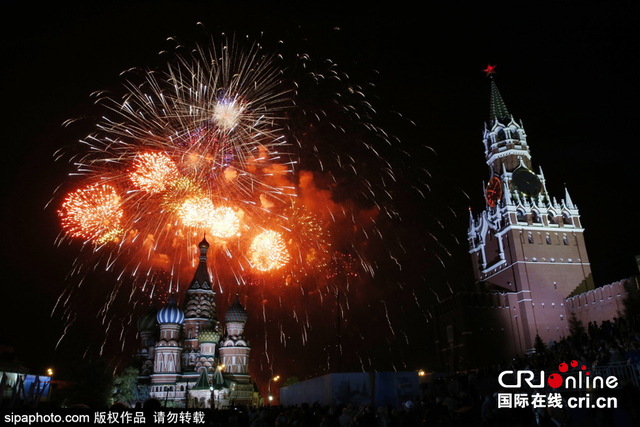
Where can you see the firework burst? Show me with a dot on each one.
(153, 172)
(93, 212)
(268, 251)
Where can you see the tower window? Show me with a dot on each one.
(530, 238)
(548, 240)
(551, 218)
(565, 240)
(535, 217)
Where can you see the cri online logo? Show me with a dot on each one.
(572, 381)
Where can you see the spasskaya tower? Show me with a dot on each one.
(525, 242)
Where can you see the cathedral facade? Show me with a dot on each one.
(530, 263)
(187, 359)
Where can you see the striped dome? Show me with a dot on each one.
(170, 314)
(209, 336)
(236, 313)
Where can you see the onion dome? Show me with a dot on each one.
(236, 313)
(148, 321)
(170, 313)
(209, 336)
(204, 244)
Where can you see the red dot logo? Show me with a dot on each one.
(574, 363)
(554, 380)
(563, 367)
(583, 367)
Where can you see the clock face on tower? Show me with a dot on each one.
(494, 191)
(526, 182)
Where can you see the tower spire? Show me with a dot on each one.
(201, 279)
(498, 109)
(567, 199)
(200, 305)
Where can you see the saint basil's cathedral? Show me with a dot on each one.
(184, 356)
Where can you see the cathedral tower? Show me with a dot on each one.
(234, 354)
(167, 365)
(525, 242)
(234, 350)
(199, 305)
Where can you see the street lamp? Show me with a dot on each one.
(276, 378)
(50, 374)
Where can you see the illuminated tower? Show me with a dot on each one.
(525, 244)
(208, 339)
(199, 305)
(234, 355)
(234, 349)
(168, 349)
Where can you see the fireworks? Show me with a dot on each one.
(282, 169)
(268, 251)
(224, 222)
(93, 212)
(195, 212)
(308, 238)
(227, 114)
(221, 222)
(187, 151)
(152, 172)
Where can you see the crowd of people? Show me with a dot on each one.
(470, 398)
(316, 415)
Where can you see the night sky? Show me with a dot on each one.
(568, 70)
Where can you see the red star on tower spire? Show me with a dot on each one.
(491, 69)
